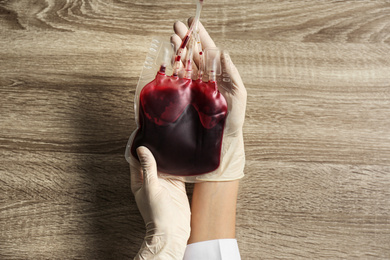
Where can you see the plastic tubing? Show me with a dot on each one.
(194, 25)
(200, 52)
(187, 61)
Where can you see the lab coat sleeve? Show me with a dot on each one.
(219, 249)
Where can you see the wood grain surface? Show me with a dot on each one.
(317, 136)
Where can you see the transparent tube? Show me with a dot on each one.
(186, 39)
(213, 63)
(188, 61)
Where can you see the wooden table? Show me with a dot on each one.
(317, 130)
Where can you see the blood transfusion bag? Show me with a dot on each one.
(181, 119)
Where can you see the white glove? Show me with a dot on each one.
(232, 88)
(164, 206)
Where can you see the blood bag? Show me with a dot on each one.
(181, 115)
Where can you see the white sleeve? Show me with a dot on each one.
(219, 249)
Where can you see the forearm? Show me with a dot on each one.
(213, 210)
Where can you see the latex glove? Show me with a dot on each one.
(232, 88)
(164, 206)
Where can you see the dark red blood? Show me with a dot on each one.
(184, 41)
(181, 122)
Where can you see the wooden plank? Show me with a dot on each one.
(314, 210)
(317, 126)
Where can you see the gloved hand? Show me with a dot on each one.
(232, 88)
(164, 206)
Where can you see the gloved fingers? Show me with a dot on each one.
(176, 41)
(231, 79)
(205, 38)
(181, 31)
(148, 168)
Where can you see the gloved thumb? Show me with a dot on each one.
(148, 166)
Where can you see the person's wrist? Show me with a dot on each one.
(214, 210)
